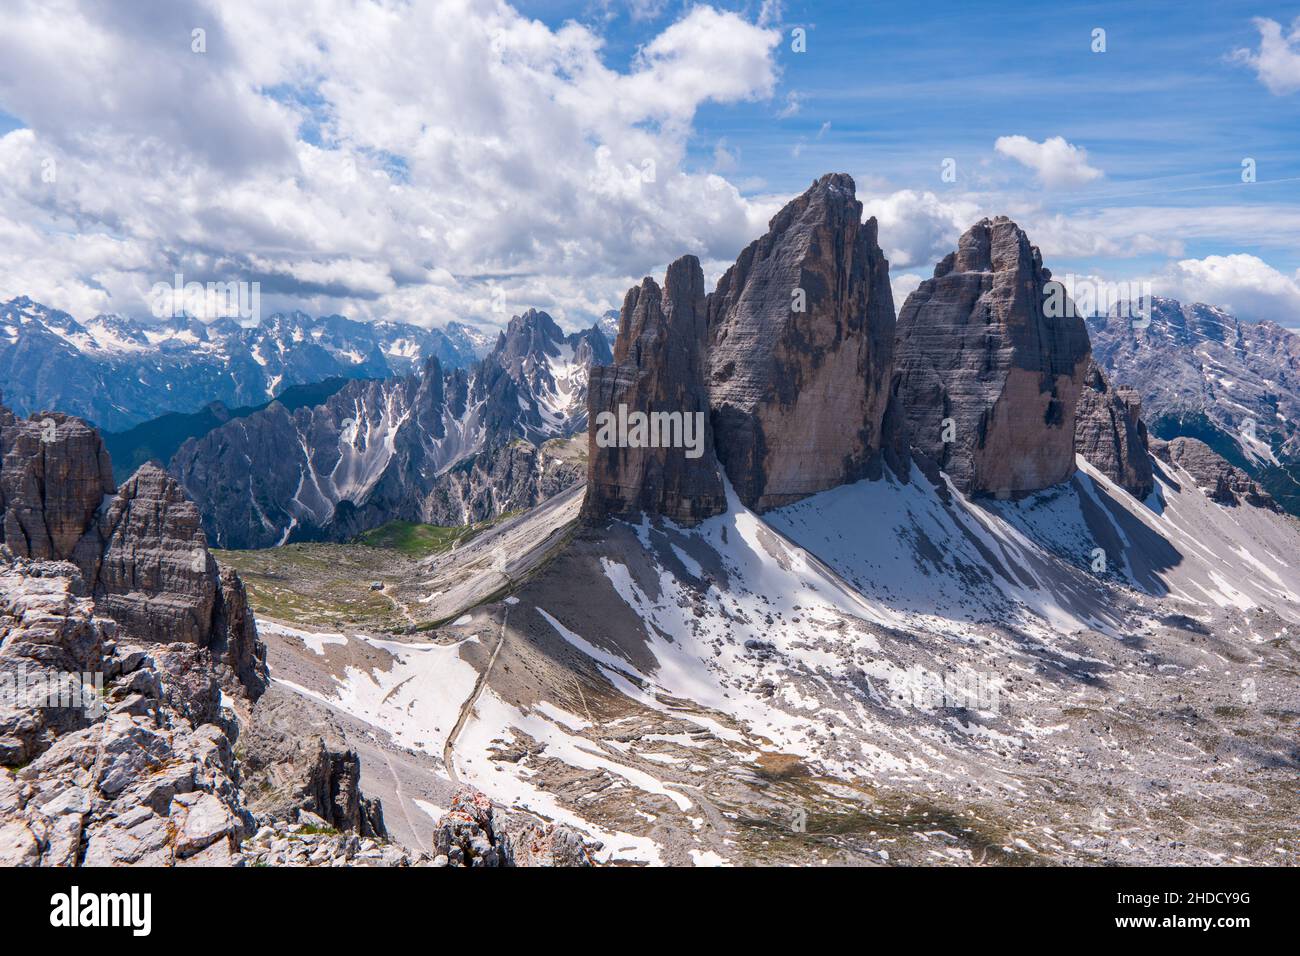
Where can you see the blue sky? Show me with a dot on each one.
(1164, 112)
(412, 158)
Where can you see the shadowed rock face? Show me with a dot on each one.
(659, 364)
(155, 576)
(975, 346)
(54, 473)
(799, 397)
(1110, 433)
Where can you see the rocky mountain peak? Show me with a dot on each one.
(635, 464)
(54, 473)
(801, 334)
(1109, 432)
(989, 381)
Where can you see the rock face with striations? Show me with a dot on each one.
(981, 364)
(440, 447)
(659, 367)
(54, 475)
(801, 334)
(1110, 433)
(1222, 481)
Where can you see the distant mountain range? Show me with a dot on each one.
(443, 446)
(117, 373)
(159, 438)
(1203, 373)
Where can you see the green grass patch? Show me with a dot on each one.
(416, 540)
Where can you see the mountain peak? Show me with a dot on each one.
(989, 381)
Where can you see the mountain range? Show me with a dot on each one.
(925, 586)
(441, 446)
(117, 372)
(1203, 373)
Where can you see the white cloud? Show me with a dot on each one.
(360, 158)
(917, 229)
(724, 160)
(1244, 285)
(902, 285)
(1057, 163)
(1277, 61)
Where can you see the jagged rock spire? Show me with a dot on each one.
(801, 335)
(989, 381)
(656, 384)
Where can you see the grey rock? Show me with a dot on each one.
(659, 367)
(296, 760)
(799, 397)
(1109, 433)
(1222, 481)
(975, 346)
(54, 472)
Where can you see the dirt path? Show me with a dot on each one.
(447, 757)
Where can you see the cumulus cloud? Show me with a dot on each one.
(919, 228)
(1058, 164)
(902, 285)
(387, 161)
(1243, 284)
(1277, 61)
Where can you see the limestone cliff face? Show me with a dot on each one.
(989, 381)
(54, 473)
(154, 574)
(801, 338)
(659, 367)
(1110, 433)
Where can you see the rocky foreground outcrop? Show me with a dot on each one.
(1109, 433)
(659, 374)
(988, 380)
(474, 833)
(128, 665)
(1221, 481)
(801, 340)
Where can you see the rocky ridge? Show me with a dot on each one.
(1221, 481)
(1110, 433)
(129, 664)
(118, 372)
(442, 447)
